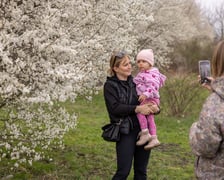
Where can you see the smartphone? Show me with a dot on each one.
(204, 70)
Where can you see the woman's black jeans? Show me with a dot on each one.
(127, 151)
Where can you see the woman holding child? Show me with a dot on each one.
(121, 100)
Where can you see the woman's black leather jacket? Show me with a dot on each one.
(121, 99)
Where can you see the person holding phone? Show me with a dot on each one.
(206, 136)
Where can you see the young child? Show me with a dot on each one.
(148, 81)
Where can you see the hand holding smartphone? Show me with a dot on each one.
(204, 71)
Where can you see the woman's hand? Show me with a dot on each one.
(149, 108)
(142, 98)
(206, 85)
(154, 108)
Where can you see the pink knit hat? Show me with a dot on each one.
(147, 55)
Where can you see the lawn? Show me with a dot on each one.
(88, 157)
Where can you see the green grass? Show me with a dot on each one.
(88, 157)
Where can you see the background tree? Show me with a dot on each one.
(217, 21)
(215, 16)
(186, 55)
(175, 21)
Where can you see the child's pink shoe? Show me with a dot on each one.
(153, 143)
(144, 137)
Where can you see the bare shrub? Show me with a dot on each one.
(180, 95)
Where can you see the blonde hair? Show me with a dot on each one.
(115, 60)
(218, 60)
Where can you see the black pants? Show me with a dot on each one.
(127, 151)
